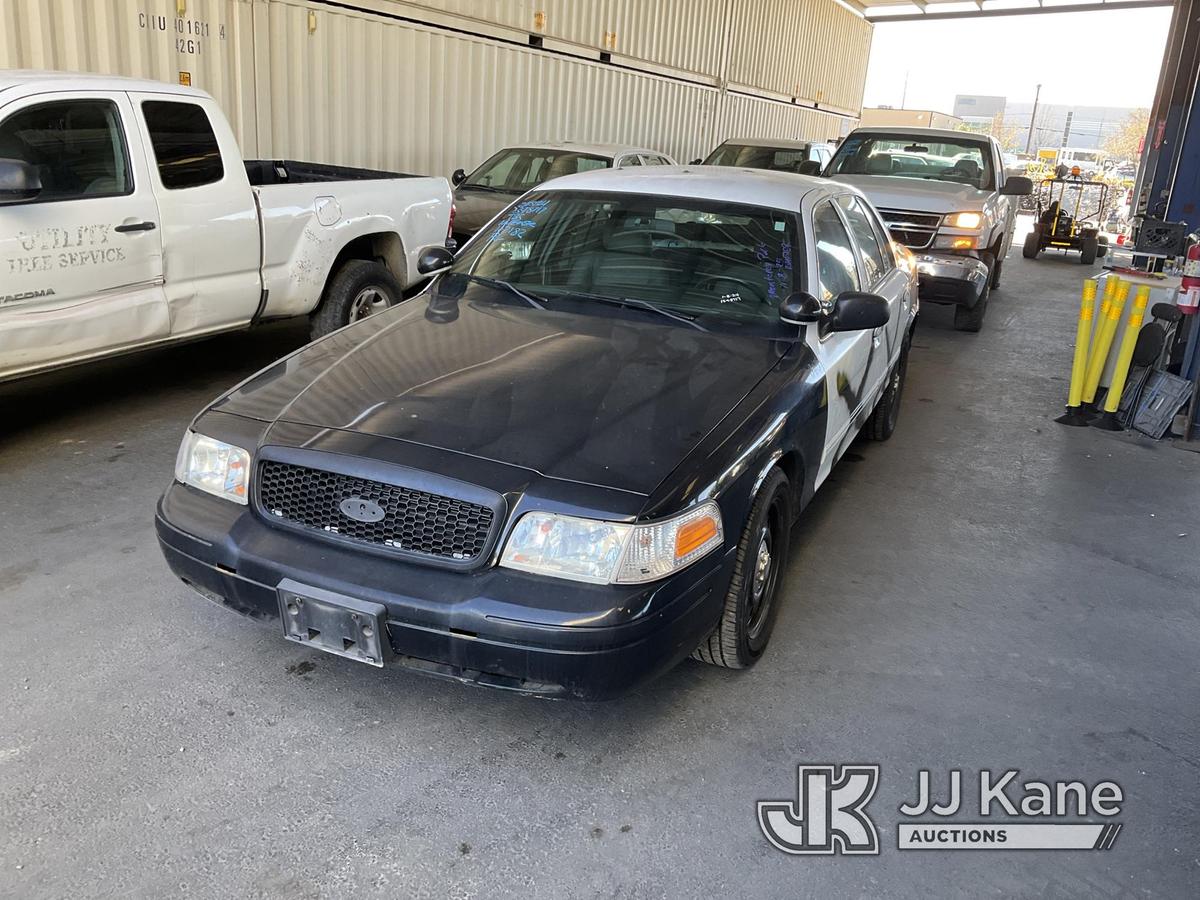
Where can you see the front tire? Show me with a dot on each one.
(1088, 249)
(360, 288)
(751, 603)
(971, 318)
(1032, 246)
(882, 423)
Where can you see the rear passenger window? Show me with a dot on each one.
(77, 147)
(185, 147)
(629, 161)
(873, 256)
(835, 253)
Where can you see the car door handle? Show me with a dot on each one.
(135, 226)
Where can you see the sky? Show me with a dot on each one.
(1107, 58)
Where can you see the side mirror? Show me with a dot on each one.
(19, 181)
(1017, 186)
(695, 162)
(800, 309)
(809, 167)
(433, 260)
(458, 177)
(857, 311)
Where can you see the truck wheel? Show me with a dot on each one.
(996, 266)
(883, 419)
(1087, 251)
(751, 604)
(971, 319)
(358, 289)
(1032, 246)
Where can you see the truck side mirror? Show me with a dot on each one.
(858, 311)
(19, 181)
(458, 177)
(1017, 186)
(695, 162)
(800, 308)
(433, 260)
(809, 167)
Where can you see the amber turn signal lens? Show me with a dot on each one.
(693, 535)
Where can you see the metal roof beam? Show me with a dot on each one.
(931, 14)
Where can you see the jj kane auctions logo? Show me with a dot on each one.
(829, 814)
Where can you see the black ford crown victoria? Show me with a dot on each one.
(575, 459)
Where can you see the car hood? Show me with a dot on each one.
(602, 396)
(919, 194)
(474, 208)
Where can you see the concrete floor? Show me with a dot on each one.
(988, 589)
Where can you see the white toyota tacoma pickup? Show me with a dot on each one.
(945, 195)
(128, 219)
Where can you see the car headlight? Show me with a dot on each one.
(213, 466)
(612, 552)
(964, 220)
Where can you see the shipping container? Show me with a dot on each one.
(910, 118)
(431, 85)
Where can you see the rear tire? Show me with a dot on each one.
(751, 603)
(971, 318)
(882, 423)
(1088, 249)
(1032, 246)
(358, 289)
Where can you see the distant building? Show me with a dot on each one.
(1090, 125)
(920, 118)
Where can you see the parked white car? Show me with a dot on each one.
(946, 196)
(128, 219)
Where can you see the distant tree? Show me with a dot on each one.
(1123, 143)
(999, 129)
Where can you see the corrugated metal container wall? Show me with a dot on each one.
(213, 43)
(745, 116)
(434, 101)
(814, 50)
(687, 35)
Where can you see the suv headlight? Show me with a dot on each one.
(964, 220)
(612, 552)
(214, 467)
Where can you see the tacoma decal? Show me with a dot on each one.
(5, 299)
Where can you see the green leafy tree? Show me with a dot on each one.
(1123, 143)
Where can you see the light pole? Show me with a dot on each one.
(1033, 120)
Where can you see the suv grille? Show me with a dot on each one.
(413, 521)
(913, 229)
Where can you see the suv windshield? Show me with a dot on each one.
(518, 169)
(908, 156)
(780, 159)
(691, 257)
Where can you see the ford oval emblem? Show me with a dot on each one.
(361, 510)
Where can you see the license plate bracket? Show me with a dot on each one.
(341, 625)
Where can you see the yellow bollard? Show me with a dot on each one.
(1106, 329)
(1108, 421)
(1083, 336)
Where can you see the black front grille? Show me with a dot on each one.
(913, 229)
(413, 521)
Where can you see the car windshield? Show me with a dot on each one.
(519, 170)
(694, 259)
(781, 159)
(908, 156)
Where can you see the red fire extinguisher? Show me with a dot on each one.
(1189, 294)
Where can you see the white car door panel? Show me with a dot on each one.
(81, 263)
(209, 222)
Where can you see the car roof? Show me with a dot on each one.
(754, 187)
(20, 79)
(782, 143)
(915, 131)
(598, 149)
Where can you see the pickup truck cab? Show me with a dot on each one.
(128, 219)
(946, 196)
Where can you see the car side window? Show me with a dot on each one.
(627, 161)
(648, 160)
(185, 147)
(76, 146)
(872, 255)
(835, 253)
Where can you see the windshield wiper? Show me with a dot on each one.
(538, 303)
(682, 318)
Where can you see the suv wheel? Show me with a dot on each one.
(971, 318)
(751, 604)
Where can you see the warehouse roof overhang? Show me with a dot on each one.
(922, 10)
